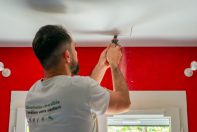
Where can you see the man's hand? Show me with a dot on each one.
(101, 67)
(114, 55)
(103, 58)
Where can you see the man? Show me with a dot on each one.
(62, 102)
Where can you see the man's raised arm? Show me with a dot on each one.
(101, 67)
(119, 97)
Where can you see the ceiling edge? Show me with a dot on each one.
(124, 43)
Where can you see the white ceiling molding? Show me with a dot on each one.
(124, 43)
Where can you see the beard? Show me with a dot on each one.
(74, 68)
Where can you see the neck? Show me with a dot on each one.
(56, 71)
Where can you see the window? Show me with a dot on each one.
(138, 123)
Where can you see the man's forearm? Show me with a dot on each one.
(119, 98)
(98, 72)
(119, 83)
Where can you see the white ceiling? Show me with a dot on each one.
(170, 21)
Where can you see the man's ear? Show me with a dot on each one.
(67, 56)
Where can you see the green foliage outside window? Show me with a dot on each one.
(138, 129)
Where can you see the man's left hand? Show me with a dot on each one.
(103, 58)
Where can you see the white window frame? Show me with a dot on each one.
(172, 113)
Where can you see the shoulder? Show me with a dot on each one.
(33, 87)
(82, 80)
(31, 91)
(86, 80)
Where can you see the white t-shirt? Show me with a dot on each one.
(65, 104)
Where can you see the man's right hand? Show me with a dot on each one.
(114, 55)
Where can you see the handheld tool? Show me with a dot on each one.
(115, 39)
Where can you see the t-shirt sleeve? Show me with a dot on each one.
(98, 97)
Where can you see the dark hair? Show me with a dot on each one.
(49, 43)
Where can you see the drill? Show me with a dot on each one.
(115, 39)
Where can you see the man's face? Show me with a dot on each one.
(74, 67)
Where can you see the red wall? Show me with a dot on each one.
(147, 69)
